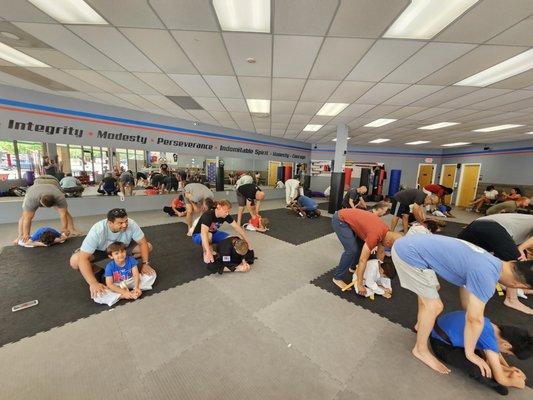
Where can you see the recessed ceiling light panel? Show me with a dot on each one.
(380, 122)
(331, 109)
(70, 11)
(243, 15)
(259, 106)
(497, 128)
(312, 128)
(438, 125)
(19, 58)
(379, 141)
(418, 142)
(455, 144)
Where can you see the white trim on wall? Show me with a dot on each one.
(461, 179)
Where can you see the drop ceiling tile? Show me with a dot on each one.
(277, 132)
(405, 112)
(318, 90)
(279, 126)
(287, 89)
(161, 48)
(220, 115)
(131, 13)
(203, 116)
(474, 97)
(503, 99)
(380, 112)
(242, 46)
(429, 59)
(235, 105)
(411, 94)
(67, 79)
(137, 100)
(206, 50)
(381, 92)
(194, 85)
(477, 60)
(224, 86)
(354, 110)
(108, 98)
(211, 104)
(281, 118)
(485, 20)
(429, 113)
(113, 44)
(81, 96)
(517, 35)
(241, 117)
(365, 18)
(282, 106)
(307, 107)
(522, 106)
(95, 79)
(444, 95)
(186, 14)
(255, 87)
(320, 120)
(300, 118)
(349, 91)
(68, 43)
(294, 55)
(130, 81)
(45, 84)
(161, 82)
(345, 51)
(303, 17)
(53, 58)
(23, 11)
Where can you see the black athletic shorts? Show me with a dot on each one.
(398, 209)
(493, 237)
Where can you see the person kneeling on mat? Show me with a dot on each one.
(44, 237)
(257, 223)
(121, 275)
(206, 230)
(447, 342)
(420, 258)
(233, 255)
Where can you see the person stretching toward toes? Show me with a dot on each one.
(360, 232)
(420, 258)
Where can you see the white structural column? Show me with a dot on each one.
(337, 175)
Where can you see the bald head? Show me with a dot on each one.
(390, 238)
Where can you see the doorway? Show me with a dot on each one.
(273, 172)
(448, 174)
(426, 175)
(468, 184)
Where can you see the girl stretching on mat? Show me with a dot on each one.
(206, 230)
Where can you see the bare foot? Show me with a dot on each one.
(75, 233)
(16, 241)
(515, 303)
(431, 361)
(340, 283)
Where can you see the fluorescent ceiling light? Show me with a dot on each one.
(332, 109)
(529, 133)
(497, 128)
(380, 122)
(70, 11)
(438, 126)
(243, 15)
(455, 144)
(335, 139)
(423, 19)
(379, 141)
(312, 128)
(259, 106)
(511, 67)
(19, 58)
(418, 142)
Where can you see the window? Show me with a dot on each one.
(8, 162)
(63, 158)
(76, 160)
(30, 157)
(121, 158)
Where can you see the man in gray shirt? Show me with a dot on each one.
(402, 201)
(44, 195)
(195, 195)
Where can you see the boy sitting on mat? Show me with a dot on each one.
(44, 237)
(257, 223)
(377, 278)
(447, 342)
(121, 275)
(233, 255)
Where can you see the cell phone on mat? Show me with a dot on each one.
(22, 306)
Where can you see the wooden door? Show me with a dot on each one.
(448, 179)
(273, 172)
(468, 184)
(425, 174)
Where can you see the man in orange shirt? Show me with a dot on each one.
(360, 231)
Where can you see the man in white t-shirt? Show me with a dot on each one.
(292, 190)
(116, 228)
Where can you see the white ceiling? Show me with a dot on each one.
(320, 51)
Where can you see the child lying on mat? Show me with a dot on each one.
(377, 278)
(121, 275)
(257, 223)
(44, 237)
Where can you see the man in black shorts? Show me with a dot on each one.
(509, 237)
(401, 203)
(247, 195)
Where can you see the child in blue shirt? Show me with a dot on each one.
(44, 237)
(122, 277)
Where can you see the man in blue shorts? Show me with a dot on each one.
(420, 258)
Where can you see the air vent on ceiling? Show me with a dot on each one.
(185, 102)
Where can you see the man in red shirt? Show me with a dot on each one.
(360, 231)
(439, 190)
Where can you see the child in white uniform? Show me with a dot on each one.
(376, 279)
(121, 275)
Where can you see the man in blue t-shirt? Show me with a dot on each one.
(117, 227)
(447, 342)
(420, 258)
